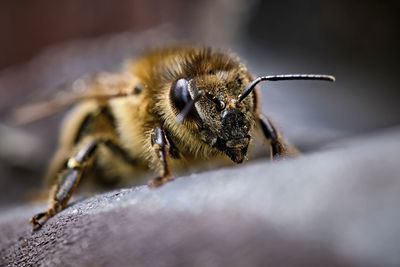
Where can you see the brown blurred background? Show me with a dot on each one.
(47, 43)
(367, 31)
(30, 27)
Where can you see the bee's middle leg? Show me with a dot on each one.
(70, 177)
(161, 147)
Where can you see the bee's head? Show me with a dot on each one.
(213, 94)
(211, 101)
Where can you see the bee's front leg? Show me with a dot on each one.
(277, 147)
(60, 195)
(161, 147)
(70, 177)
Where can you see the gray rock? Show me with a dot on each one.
(335, 207)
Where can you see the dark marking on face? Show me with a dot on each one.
(234, 124)
(233, 137)
(219, 104)
(138, 89)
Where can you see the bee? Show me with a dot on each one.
(171, 105)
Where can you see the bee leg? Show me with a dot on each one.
(70, 178)
(62, 193)
(161, 148)
(277, 147)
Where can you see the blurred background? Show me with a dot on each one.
(45, 44)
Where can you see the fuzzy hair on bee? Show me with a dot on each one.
(168, 107)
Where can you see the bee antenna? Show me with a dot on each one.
(284, 77)
(185, 111)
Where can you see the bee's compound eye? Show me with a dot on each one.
(179, 94)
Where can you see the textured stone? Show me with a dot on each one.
(335, 207)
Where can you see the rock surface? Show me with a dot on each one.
(335, 207)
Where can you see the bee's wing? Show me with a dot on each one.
(99, 87)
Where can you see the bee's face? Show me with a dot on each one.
(224, 123)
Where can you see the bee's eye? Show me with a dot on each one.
(180, 99)
(179, 94)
